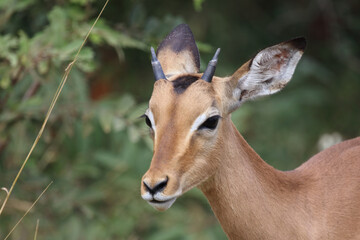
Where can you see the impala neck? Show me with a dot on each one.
(251, 199)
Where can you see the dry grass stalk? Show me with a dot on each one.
(53, 102)
(36, 229)
(42, 193)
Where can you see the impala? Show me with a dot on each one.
(197, 145)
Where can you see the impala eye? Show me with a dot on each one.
(147, 121)
(210, 123)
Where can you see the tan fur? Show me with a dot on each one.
(182, 59)
(252, 200)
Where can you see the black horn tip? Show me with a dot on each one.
(216, 55)
(158, 71)
(153, 54)
(210, 70)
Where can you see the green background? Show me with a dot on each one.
(95, 148)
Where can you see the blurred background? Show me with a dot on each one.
(95, 148)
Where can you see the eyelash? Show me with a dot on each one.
(210, 123)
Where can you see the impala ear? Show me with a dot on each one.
(267, 73)
(178, 52)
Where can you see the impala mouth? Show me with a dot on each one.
(160, 201)
(157, 201)
(162, 205)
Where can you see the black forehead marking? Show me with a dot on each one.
(182, 83)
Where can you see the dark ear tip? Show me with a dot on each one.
(298, 43)
(182, 26)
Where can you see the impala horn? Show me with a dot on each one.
(210, 69)
(158, 72)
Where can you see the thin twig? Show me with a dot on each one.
(36, 229)
(28, 210)
(53, 102)
(5, 190)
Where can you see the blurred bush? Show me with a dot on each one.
(96, 149)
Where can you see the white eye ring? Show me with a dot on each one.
(198, 121)
(211, 112)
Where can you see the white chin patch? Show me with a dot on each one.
(162, 205)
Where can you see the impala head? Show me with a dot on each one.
(188, 111)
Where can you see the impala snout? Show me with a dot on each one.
(160, 191)
(157, 187)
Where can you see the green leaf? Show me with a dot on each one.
(175, 232)
(80, 2)
(86, 170)
(149, 143)
(204, 47)
(198, 4)
(7, 116)
(118, 124)
(137, 112)
(125, 103)
(5, 82)
(134, 134)
(16, 5)
(106, 119)
(69, 49)
(43, 67)
(109, 160)
(117, 39)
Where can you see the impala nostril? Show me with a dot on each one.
(158, 187)
(147, 187)
(161, 185)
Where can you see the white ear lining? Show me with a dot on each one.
(290, 68)
(270, 71)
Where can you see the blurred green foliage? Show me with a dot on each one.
(95, 148)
